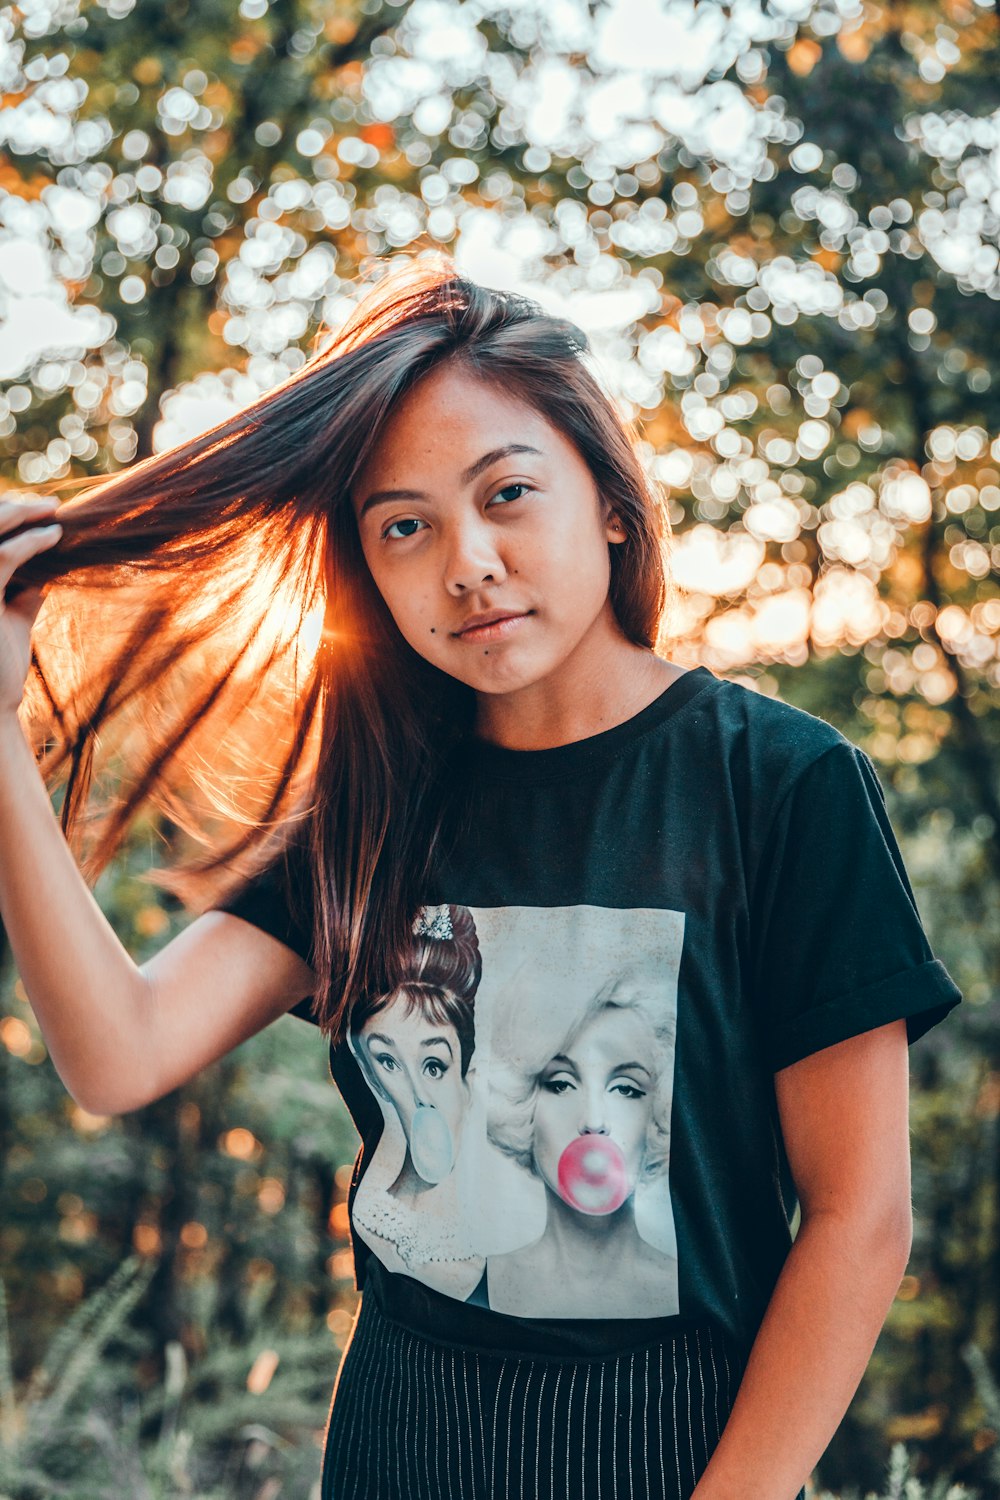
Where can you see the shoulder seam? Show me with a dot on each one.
(793, 783)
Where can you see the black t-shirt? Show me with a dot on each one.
(570, 1138)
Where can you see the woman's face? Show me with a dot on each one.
(599, 1088)
(417, 1063)
(471, 503)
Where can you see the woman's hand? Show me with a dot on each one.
(18, 616)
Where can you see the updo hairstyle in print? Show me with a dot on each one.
(440, 980)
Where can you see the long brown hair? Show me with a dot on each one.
(212, 641)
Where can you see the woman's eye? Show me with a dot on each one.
(409, 521)
(387, 534)
(556, 1085)
(512, 487)
(628, 1091)
(435, 1068)
(387, 1062)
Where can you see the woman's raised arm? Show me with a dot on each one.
(119, 1035)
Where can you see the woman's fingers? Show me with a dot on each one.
(26, 605)
(15, 513)
(16, 550)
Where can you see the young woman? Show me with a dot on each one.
(397, 624)
(588, 1117)
(415, 1046)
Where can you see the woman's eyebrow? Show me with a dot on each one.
(380, 1036)
(384, 497)
(438, 1041)
(561, 1063)
(494, 456)
(630, 1067)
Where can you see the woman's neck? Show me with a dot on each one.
(581, 699)
(571, 1235)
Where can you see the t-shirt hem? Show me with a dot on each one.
(922, 995)
(419, 1309)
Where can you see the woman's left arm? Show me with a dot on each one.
(845, 1120)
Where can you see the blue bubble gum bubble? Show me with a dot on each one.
(432, 1150)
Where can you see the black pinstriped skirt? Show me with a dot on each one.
(417, 1419)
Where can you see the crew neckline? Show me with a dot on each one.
(500, 763)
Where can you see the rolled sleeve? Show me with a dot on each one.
(839, 946)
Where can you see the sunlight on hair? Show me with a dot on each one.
(247, 642)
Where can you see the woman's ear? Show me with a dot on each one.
(614, 528)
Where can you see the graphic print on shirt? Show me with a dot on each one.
(524, 1069)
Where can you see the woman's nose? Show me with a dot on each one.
(420, 1094)
(593, 1114)
(472, 558)
(413, 1088)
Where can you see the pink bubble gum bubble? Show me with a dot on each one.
(592, 1175)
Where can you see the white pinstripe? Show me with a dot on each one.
(677, 1451)
(600, 1423)
(450, 1414)
(397, 1370)
(389, 1382)
(583, 1463)
(458, 1445)
(468, 1412)
(715, 1386)
(552, 1430)
(396, 1449)
(437, 1420)
(510, 1423)
(420, 1422)
(687, 1363)
(538, 1434)
(427, 1422)
(482, 1425)
(569, 1408)
(645, 1422)
(385, 1396)
(410, 1445)
(493, 1434)
(631, 1411)
(659, 1415)
(614, 1465)
(701, 1374)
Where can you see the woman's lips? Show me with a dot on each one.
(498, 631)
